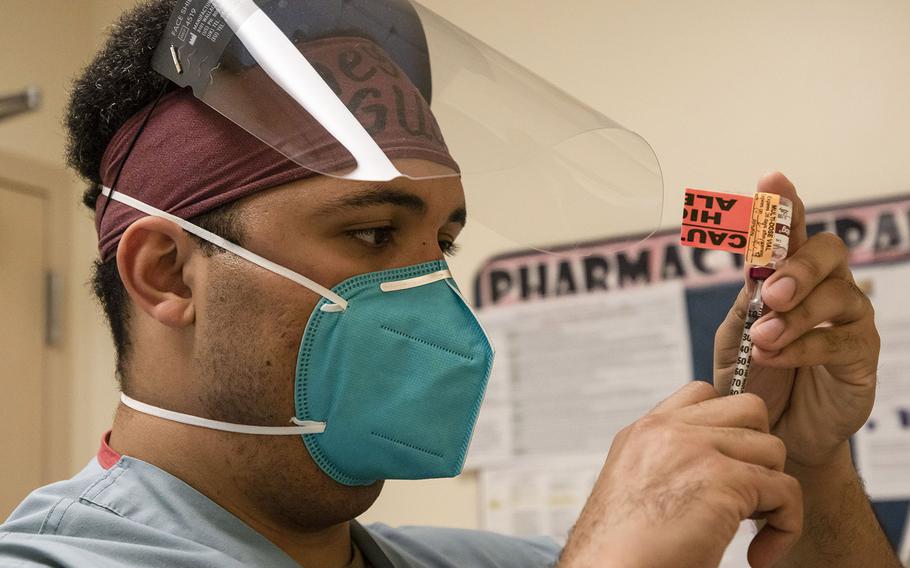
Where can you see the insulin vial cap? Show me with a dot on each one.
(760, 272)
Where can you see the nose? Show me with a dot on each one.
(424, 248)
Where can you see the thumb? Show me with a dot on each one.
(776, 182)
(692, 393)
(727, 340)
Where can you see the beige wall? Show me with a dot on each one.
(45, 44)
(724, 90)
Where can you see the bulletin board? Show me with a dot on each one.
(591, 338)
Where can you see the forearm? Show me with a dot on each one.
(840, 528)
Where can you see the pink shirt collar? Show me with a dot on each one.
(107, 457)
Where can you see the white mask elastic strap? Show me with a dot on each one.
(227, 245)
(302, 426)
(415, 282)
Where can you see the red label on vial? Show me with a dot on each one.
(715, 220)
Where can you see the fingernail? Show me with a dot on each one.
(783, 289)
(770, 329)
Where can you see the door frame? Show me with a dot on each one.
(58, 187)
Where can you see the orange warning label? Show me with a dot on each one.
(762, 229)
(757, 227)
(715, 220)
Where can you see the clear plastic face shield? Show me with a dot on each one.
(345, 87)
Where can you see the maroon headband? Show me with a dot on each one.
(189, 159)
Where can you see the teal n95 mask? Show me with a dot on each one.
(390, 374)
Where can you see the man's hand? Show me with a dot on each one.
(816, 347)
(814, 363)
(678, 482)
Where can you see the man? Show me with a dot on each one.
(197, 469)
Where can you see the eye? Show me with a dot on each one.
(448, 247)
(376, 237)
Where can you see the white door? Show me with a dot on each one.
(21, 344)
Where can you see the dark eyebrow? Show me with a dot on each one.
(459, 216)
(376, 195)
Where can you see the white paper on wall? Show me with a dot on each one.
(571, 373)
(882, 445)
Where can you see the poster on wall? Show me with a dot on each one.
(882, 446)
(586, 367)
(590, 338)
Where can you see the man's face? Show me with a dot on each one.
(249, 321)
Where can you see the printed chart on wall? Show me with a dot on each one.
(590, 339)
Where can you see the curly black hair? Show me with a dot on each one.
(117, 84)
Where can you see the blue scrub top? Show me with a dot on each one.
(135, 514)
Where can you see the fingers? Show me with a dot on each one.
(822, 256)
(692, 393)
(737, 313)
(847, 346)
(779, 497)
(741, 411)
(750, 446)
(726, 341)
(835, 300)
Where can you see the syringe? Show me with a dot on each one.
(758, 274)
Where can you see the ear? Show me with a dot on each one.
(152, 258)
